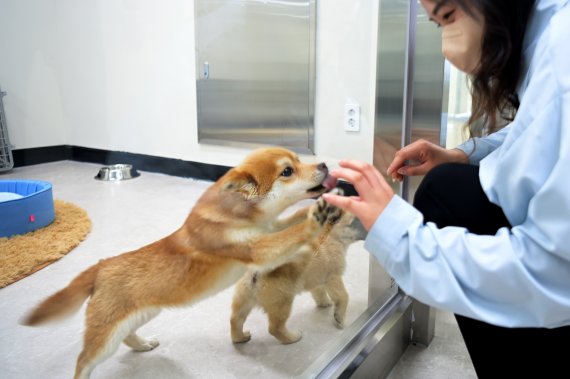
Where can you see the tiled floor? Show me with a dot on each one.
(195, 341)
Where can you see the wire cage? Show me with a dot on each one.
(6, 158)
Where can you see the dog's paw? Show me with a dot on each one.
(324, 304)
(324, 213)
(338, 320)
(287, 336)
(243, 338)
(146, 345)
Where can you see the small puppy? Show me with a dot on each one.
(234, 225)
(319, 272)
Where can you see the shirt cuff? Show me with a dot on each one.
(390, 227)
(474, 155)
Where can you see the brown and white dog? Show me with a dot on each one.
(234, 225)
(319, 272)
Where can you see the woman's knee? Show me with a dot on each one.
(443, 190)
(440, 182)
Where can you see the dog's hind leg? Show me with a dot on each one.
(337, 292)
(101, 341)
(243, 302)
(104, 334)
(136, 342)
(321, 297)
(278, 314)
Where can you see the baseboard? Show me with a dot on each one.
(38, 155)
(149, 163)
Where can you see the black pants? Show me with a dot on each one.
(451, 195)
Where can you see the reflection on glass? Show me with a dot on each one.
(459, 108)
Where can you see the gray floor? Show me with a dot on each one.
(195, 341)
(445, 358)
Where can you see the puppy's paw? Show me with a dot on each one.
(288, 336)
(243, 338)
(145, 345)
(324, 303)
(324, 213)
(152, 343)
(338, 320)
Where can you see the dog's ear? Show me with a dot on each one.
(241, 183)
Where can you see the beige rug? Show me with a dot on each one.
(25, 254)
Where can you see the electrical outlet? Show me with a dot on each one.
(352, 117)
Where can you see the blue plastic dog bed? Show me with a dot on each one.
(25, 205)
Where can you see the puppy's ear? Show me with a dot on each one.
(241, 183)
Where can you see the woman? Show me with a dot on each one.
(488, 237)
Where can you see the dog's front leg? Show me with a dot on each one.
(275, 249)
(297, 217)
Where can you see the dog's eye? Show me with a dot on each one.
(287, 172)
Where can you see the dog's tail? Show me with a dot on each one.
(65, 302)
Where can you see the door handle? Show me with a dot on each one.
(206, 70)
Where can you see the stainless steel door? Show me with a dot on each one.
(256, 72)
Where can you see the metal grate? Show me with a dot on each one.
(6, 159)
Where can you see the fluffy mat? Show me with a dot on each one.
(25, 254)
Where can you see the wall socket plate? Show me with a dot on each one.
(352, 117)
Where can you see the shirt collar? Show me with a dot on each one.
(539, 20)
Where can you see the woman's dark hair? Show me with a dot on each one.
(494, 84)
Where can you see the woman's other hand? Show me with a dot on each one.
(374, 192)
(421, 156)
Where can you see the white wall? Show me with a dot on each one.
(119, 75)
(29, 72)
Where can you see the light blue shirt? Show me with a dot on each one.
(519, 277)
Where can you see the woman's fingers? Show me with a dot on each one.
(361, 183)
(398, 162)
(412, 170)
(370, 172)
(374, 192)
(364, 177)
(347, 203)
(408, 152)
(366, 187)
(415, 159)
(362, 210)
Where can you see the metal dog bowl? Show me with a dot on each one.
(117, 172)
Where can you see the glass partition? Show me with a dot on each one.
(459, 107)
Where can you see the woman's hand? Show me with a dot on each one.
(421, 156)
(374, 192)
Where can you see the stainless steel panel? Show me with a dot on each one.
(364, 338)
(387, 346)
(256, 72)
(424, 326)
(409, 106)
(389, 115)
(429, 111)
(429, 99)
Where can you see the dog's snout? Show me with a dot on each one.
(323, 167)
